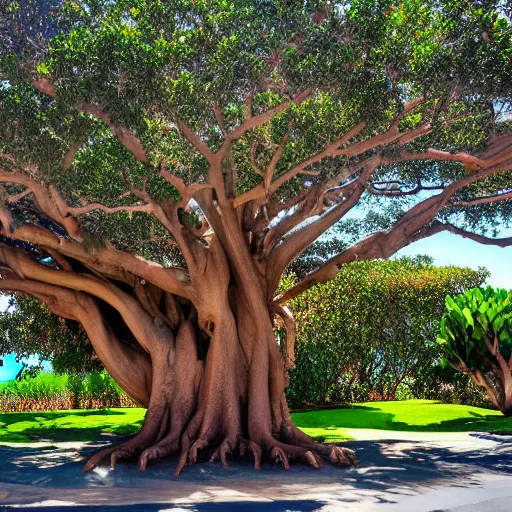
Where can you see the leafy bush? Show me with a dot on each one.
(370, 334)
(476, 336)
(49, 391)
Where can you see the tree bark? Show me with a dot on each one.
(217, 395)
(209, 370)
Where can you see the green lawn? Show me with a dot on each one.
(412, 415)
(408, 416)
(72, 425)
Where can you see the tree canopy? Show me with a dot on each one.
(110, 101)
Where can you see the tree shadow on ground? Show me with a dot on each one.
(388, 471)
(361, 416)
(15, 417)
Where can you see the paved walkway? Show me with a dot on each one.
(454, 473)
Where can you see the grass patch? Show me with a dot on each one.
(328, 425)
(411, 415)
(71, 425)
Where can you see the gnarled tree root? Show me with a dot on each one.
(271, 451)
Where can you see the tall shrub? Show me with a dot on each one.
(372, 329)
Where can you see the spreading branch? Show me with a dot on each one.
(412, 226)
(130, 369)
(117, 264)
(481, 239)
(53, 205)
(293, 245)
(252, 122)
(135, 317)
(186, 191)
(197, 142)
(335, 149)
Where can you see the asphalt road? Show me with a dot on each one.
(470, 474)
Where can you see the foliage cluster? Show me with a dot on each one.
(476, 336)
(370, 334)
(49, 391)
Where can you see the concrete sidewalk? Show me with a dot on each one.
(464, 473)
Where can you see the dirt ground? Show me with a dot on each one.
(449, 473)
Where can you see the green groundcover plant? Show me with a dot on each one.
(476, 335)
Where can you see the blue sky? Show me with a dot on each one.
(445, 248)
(448, 249)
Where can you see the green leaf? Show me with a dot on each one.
(469, 318)
(43, 69)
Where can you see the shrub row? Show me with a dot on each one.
(370, 334)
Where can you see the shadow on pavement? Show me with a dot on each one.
(388, 471)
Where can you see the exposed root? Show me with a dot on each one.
(314, 459)
(256, 450)
(194, 404)
(123, 451)
(337, 455)
(121, 454)
(159, 451)
(95, 459)
(284, 452)
(186, 440)
(182, 461)
(199, 444)
(342, 456)
(280, 456)
(222, 451)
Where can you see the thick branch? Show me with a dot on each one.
(138, 321)
(481, 239)
(298, 241)
(196, 142)
(410, 227)
(55, 208)
(117, 264)
(45, 198)
(392, 135)
(252, 122)
(130, 369)
(81, 210)
(186, 191)
(330, 151)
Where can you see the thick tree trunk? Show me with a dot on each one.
(219, 395)
(205, 363)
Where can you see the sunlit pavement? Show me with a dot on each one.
(455, 473)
